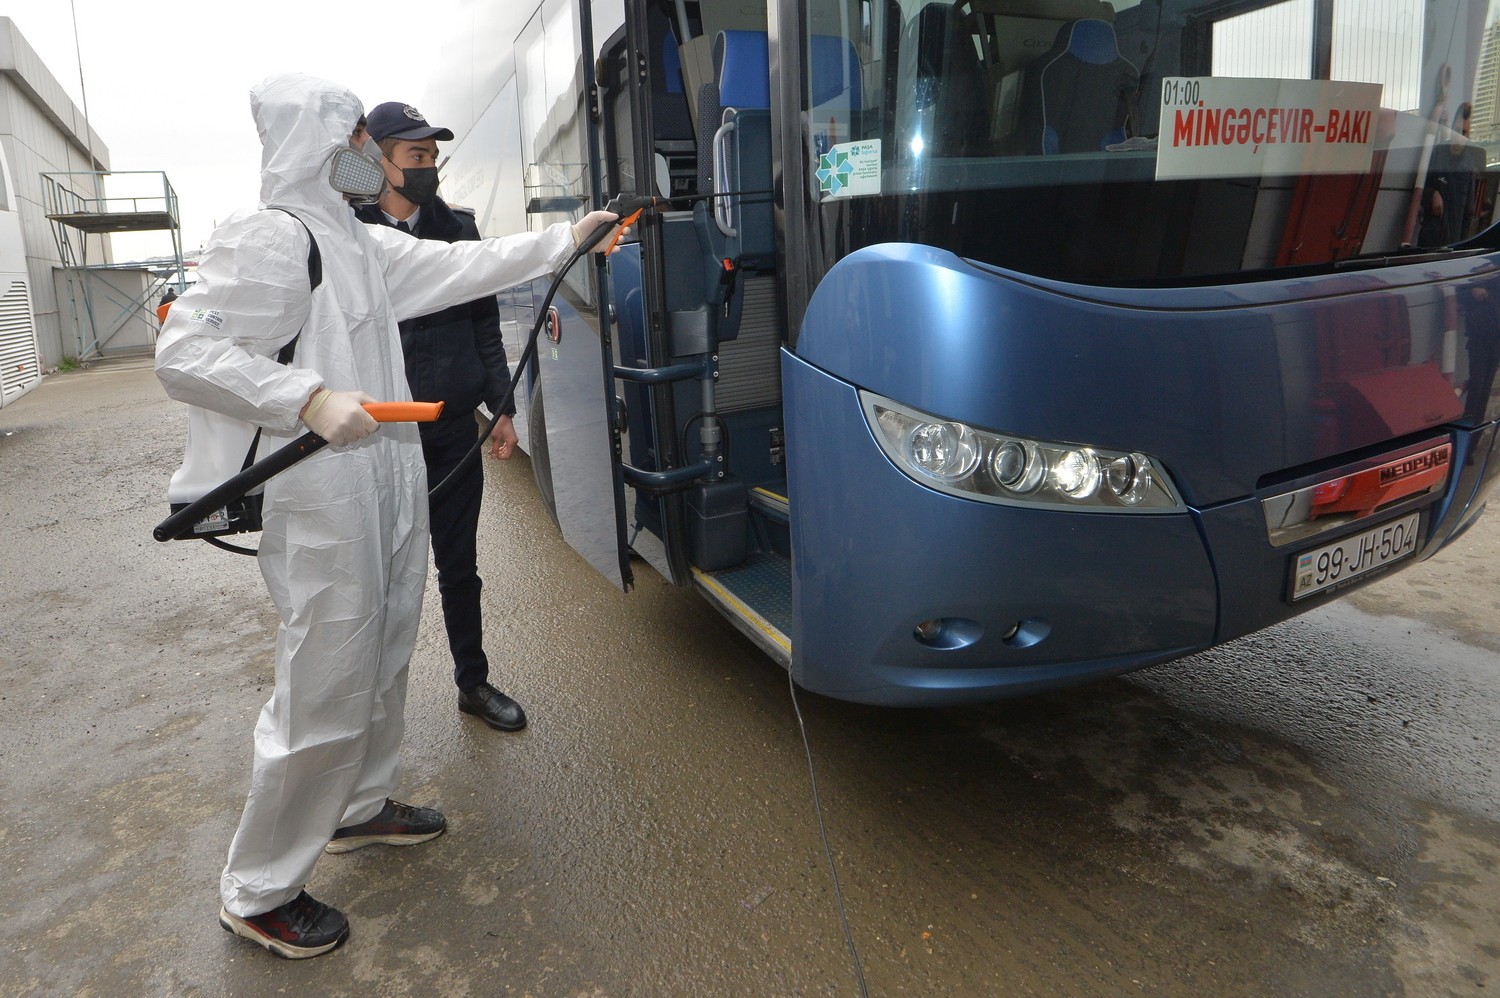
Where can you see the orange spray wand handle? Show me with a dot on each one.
(620, 228)
(629, 208)
(404, 412)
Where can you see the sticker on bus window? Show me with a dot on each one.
(1216, 126)
(849, 169)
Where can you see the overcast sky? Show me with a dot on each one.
(168, 86)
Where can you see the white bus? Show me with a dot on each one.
(20, 363)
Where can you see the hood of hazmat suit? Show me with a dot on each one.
(344, 547)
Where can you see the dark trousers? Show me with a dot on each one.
(455, 528)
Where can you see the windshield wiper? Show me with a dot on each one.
(1406, 254)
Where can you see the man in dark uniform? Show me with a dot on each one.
(1453, 172)
(453, 356)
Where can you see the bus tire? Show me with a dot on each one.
(541, 464)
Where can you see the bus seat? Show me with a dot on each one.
(1076, 97)
(742, 66)
(749, 86)
(696, 52)
(734, 146)
(1010, 34)
(734, 154)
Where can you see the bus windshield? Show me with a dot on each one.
(1133, 142)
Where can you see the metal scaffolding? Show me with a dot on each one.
(75, 216)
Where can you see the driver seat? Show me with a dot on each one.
(1077, 97)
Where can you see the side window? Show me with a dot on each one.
(549, 81)
(619, 130)
(1373, 41)
(1240, 49)
(531, 95)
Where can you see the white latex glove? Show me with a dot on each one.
(588, 224)
(339, 417)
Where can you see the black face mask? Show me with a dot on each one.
(421, 184)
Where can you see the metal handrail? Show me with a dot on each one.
(62, 199)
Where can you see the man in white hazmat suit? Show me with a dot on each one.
(344, 548)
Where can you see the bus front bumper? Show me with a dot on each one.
(906, 596)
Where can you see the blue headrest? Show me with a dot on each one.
(834, 62)
(744, 69)
(671, 64)
(1092, 41)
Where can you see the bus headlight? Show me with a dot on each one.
(1017, 466)
(1129, 478)
(945, 451)
(1077, 475)
(952, 457)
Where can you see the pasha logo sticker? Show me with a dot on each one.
(849, 169)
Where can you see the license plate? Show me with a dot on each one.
(1333, 564)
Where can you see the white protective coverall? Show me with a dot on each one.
(344, 548)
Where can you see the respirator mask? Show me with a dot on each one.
(356, 174)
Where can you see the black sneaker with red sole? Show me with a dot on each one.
(397, 824)
(301, 928)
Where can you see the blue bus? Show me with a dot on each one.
(990, 346)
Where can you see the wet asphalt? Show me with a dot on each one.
(1313, 810)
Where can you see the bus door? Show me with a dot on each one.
(686, 115)
(676, 299)
(573, 434)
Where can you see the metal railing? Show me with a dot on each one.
(78, 205)
(60, 197)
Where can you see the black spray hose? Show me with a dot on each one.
(628, 207)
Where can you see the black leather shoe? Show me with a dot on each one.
(492, 707)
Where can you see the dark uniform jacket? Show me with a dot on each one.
(454, 356)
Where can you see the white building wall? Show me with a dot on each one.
(43, 132)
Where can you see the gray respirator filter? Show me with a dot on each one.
(356, 174)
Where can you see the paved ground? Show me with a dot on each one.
(1314, 810)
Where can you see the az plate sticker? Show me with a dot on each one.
(207, 316)
(849, 169)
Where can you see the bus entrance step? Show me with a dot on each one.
(771, 502)
(756, 596)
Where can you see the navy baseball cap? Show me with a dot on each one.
(395, 120)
